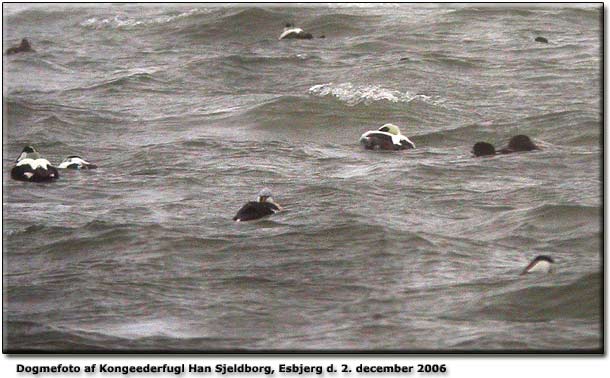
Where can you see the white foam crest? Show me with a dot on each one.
(125, 22)
(356, 94)
(166, 19)
(137, 71)
(116, 22)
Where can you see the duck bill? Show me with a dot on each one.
(22, 156)
(528, 268)
(270, 200)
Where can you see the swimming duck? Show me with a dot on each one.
(292, 32)
(388, 137)
(31, 167)
(23, 47)
(483, 149)
(518, 143)
(257, 209)
(76, 162)
(541, 264)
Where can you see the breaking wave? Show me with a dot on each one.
(356, 94)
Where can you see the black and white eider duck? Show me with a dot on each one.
(541, 264)
(258, 209)
(388, 137)
(292, 32)
(518, 143)
(23, 47)
(31, 167)
(76, 162)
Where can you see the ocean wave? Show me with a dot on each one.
(268, 23)
(456, 62)
(356, 94)
(37, 12)
(138, 78)
(232, 23)
(45, 124)
(494, 10)
(19, 334)
(42, 230)
(262, 60)
(36, 337)
(249, 15)
(580, 299)
(459, 135)
(339, 24)
(14, 107)
(544, 222)
(244, 64)
(332, 122)
(582, 14)
(35, 62)
(561, 126)
(121, 21)
(553, 220)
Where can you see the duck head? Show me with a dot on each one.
(28, 152)
(265, 195)
(25, 44)
(390, 128)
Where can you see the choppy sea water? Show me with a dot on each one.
(189, 110)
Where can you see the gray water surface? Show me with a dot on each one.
(189, 110)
